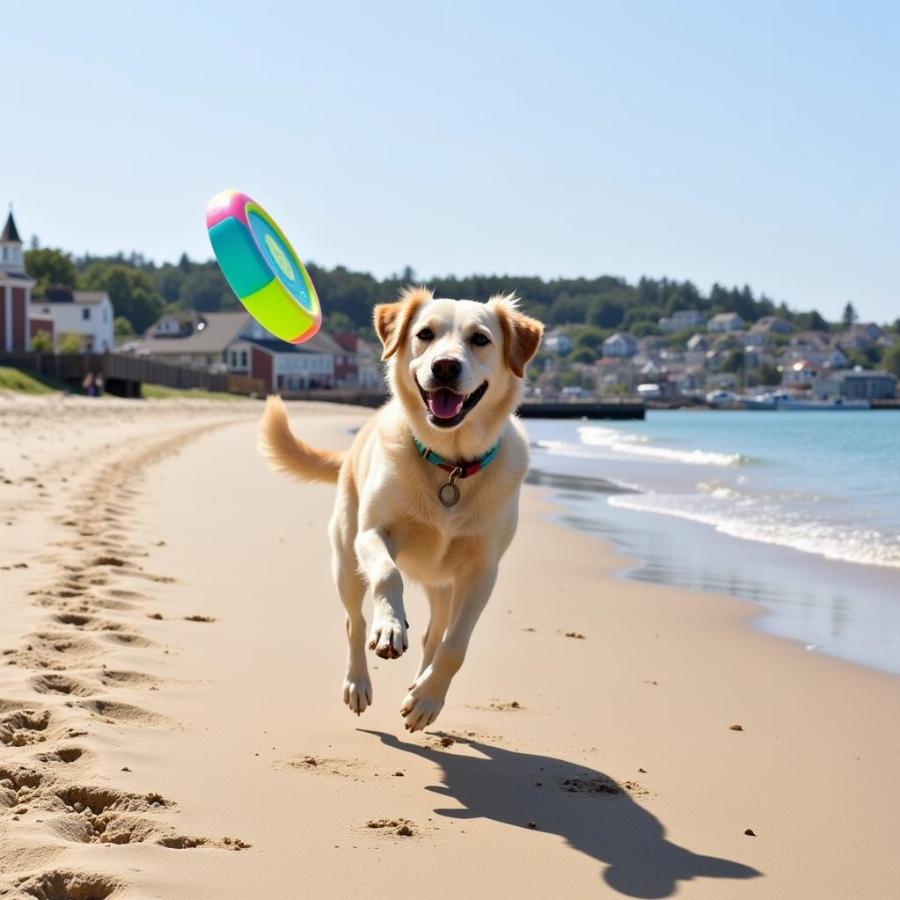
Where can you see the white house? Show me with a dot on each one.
(558, 342)
(88, 314)
(724, 322)
(683, 318)
(621, 344)
(698, 343)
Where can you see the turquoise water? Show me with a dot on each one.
(799, 511)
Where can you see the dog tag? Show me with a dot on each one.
(448, 493)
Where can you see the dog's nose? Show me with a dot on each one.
(446, 368)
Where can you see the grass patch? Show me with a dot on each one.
(27, 382)
(158, 392)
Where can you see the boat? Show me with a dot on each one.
(779, 400)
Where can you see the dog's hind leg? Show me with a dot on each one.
(352, 590)
(439, 605)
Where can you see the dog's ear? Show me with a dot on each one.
(521, 333)
(392, 320)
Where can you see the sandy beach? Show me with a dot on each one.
(172, 726)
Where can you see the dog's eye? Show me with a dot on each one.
(426, 334)
(480, 340)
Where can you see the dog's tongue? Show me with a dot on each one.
(444, 403)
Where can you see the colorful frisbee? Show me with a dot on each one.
(262, 268)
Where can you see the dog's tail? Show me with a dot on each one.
(286, 453)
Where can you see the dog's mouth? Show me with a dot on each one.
(448, 408)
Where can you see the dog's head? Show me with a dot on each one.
(456, 364)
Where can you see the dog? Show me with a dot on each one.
(429, 489)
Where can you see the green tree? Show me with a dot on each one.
(890, 362)
(582, 355)
(768, 375)
(734, 362)
(338, 322)
(49, 266)
(849, 316)
(42, 342)
(130, 290)
(123, 327)
(70, 342)
(606, 312)
(205, 290)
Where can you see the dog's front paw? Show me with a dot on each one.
(358, 693)
(423, 703)
(388, 637)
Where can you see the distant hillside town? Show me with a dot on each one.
(658, 339)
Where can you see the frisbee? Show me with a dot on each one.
(262, 268)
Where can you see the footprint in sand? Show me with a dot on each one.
(65, 755)
(86, 799)
(55, 683)
(24, 726)
(112, 711)
(68, 884)
(124, 678)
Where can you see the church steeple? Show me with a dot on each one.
(10, 247)
(10, 232)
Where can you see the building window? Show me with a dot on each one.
(243, 359)
(86, 313)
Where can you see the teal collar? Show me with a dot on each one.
(448, 493)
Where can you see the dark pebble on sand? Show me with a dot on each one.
(735, 727)
(749, 832)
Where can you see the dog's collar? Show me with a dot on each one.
(448, 493)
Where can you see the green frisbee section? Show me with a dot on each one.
(238, 257)
(282, 258)
(275, 309)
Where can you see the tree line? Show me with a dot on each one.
(141, 290)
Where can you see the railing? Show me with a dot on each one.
(121, 373)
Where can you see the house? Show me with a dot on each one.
(772, 325)
(233, 342)
(199, 342)
(558, 342)
(683, 318)
(829, 357)
(346, 370)
(698, 343)
(282, 366)
(87, 314)
(369, 367)
(15, 291)
(858, 384)
(621, 344)
(859, 337)
(725, 322)
(173, 325)
(802, 373)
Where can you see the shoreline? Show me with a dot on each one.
(232, 716)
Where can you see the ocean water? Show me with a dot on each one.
(798, 511)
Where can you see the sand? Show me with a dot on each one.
(172, 727)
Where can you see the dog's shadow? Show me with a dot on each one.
(585, 807)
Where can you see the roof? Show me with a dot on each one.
(82, 297)
(321, 343)
(862, 373)
(219, 330)
(723, 316)
(10, 232)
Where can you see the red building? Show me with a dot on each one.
(346, 370)
(15, 292)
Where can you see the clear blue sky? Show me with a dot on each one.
(741, 142)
